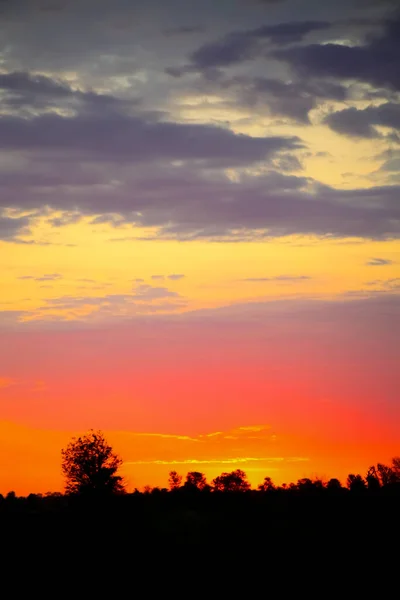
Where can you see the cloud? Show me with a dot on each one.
(12, 227)
(293, 99)
(379, 262)
(157, 276)
(376, 62)
(183, 204)
(117, 137)
(47, 277)
(34, 91)
(240, 46)
(147, 292)
(188, 202)
(175, 276)
(144, 299)
(362, 122)
(218, 461)
(281, 278)
(392, 284)
(184, 30)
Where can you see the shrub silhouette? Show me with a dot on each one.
(90, 466)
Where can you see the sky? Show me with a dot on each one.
(199, 236)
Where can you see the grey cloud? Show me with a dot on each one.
(362, 122)
(118, 137)
(239, 46)
(176, 276)
(184, 30)
(32, 91)
(157, 277)
(11, 228)
(376, 62)
(379, 262)
(293, 99)
(392, 164)
(183, 203)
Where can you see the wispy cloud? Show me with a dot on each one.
(46, 277)
(378, 262)
(220, 461)
(279, 278)
(175, 276)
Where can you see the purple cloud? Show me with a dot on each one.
(116, 137)
(362, 122)
(375, 62)
(239, 46)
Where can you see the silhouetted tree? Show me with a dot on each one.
(372, 479)
(174, 480)
(334, 484)
(396, 469)
(386, 475)
(196, 480)
(305, 484)
(267, 485)
(236, 481)
(396, 464)
(90, 466)
(356, 483)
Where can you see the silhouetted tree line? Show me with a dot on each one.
(90, 467)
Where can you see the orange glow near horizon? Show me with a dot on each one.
(199, 237)
(33, 464)
(287, 394)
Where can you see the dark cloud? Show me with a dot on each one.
(23, 90)
(119, 137)
(188, 203)
(362, 122)
(26, 83)
(376, 62)
(87, 148)
(379, 262)
(184, 30)
(293, 99)
(11, 228)
(239, 46)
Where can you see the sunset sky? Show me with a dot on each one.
(199, 222)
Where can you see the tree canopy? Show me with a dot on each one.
(90, 466)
